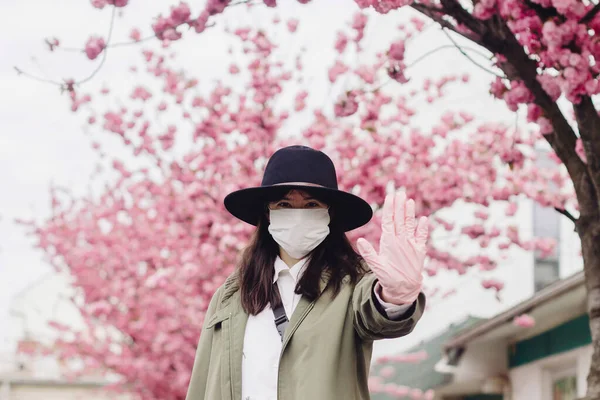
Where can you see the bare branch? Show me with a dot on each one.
(36, 78)
(437, 16)
(469, 57)
(446, 46)
(68, 85)
(108, 46)
(104, 52)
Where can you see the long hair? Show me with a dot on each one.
(335, 255)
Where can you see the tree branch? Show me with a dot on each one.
(545, 13)
(437, 16)
(455, 10)
(590, 14)
(499, 39)
(568, 215)
(469, 57)
(37, 78)
(588, 122)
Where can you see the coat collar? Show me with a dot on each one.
(231, 286)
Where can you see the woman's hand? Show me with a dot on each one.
(399, 264)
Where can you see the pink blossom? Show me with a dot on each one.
(485, 9)
(346, 105)
(180, 13)
(492, 284)
(473, 231)
(292, 25)
(340, 42)
(300, 101)
(498, 88)
(99, 3)
(366, 73)
(517, 94)
(199, 24)
(359, 22)
(141, 93)
(545, 126)
(94, 46)
(387, 372)
(511, 209)
(336, 70)
(396, 51)
(170, 34)
(481, 214)
(533, 112)
(135, 34)
(160, 25)
(524, 321)
(550, 86)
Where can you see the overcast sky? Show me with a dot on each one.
(42, 142)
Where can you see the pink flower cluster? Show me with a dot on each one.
(346, 105)
(383, 6)
(104, 3)
(524, 321)
(94, 46)
(376, 385)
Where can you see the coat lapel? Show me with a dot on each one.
(239, 318)
(302, 309)
(238, 329)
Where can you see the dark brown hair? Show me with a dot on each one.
(335, 255)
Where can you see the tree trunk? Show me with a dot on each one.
(589, 232)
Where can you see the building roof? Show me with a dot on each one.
(421, 375)
(565, 297)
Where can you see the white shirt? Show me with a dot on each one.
(262, 343)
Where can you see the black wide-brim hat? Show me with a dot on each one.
(301, 168)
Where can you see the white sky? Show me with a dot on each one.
(41, 141)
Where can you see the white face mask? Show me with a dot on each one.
(299, 231)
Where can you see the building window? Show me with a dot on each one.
(564, 386)
(546, 271)
(546, 224)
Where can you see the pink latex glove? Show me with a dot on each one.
(399, 264)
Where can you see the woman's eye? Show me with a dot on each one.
(312, 204)
(283, 204)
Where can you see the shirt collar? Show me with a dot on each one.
(296, 271)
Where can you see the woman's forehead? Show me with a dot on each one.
(297, 194)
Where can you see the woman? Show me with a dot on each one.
(300, 265)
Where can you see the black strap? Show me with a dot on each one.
(281, 320)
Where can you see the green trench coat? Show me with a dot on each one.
(326, 351)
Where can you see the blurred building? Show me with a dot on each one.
(496, 359)
(27, 372)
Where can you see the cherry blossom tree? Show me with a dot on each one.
(147, 253)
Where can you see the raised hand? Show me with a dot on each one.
(399, 264)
